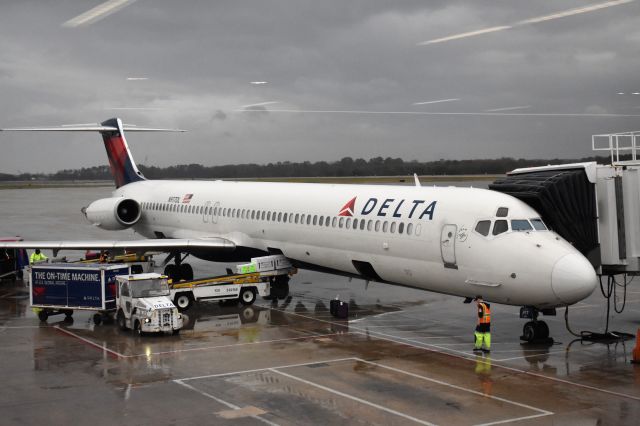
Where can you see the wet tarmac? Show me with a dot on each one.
(403, 356)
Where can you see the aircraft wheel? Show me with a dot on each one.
(182, 301)
(122, 323)
(176, 332)
(529, 331)
(172, 272)
(247, 296)
(185, 272)
(542, 330)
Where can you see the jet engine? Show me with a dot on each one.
(113, 214)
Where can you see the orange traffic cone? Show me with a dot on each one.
(636, 350)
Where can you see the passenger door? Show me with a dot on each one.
(448, 246)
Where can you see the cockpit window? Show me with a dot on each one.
(483, 227)
(538, 224)
(521, 225)
(502, 212)
(500, 226)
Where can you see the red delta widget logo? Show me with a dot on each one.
(391, 207)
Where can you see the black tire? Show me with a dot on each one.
(97, 319)
(183, 301)
(542, 330)
(529, 332)
(247, 296)
(176, 332)
(172, 272)
(43, 315)
(185, 272)
(68, 314)
(137, 328)
(122, 322)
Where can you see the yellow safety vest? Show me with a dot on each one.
(35, 258)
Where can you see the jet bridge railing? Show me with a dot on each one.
(618, 144)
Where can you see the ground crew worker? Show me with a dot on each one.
(483, 329)
(37, 257)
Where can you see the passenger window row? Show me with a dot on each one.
(293, 218)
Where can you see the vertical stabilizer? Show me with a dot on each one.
(123, 168)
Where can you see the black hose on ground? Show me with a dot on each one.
(607, 336)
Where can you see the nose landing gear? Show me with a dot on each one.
(535, 331)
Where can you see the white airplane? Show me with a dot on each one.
(460, 241)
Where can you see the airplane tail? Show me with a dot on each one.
(123, 168)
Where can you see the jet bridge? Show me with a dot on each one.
(595, 207)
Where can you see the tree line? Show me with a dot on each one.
(345, 167)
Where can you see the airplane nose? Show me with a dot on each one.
(573, 278)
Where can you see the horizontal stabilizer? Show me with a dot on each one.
(89, 128)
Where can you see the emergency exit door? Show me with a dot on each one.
(448, 246)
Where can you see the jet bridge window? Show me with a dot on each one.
(483, 227)
(520, 225)
(538, 224)
(500, 226)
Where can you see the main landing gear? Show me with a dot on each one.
(535, 331)
(179, 271)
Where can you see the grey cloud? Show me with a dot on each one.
(356, 55)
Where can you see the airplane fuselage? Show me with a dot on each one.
(424, 237)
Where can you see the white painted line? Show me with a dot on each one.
(99, 12)
(436, 102)
(10, 327)
(460, 388)
(89, 342)
(515, 419)
(221, 401)
(468, 357)
(353, 398)
(137, 78)
(255, 370)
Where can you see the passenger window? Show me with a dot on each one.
(409, 228)
(348, 223)
(502, 212)
(538, 224)
(385, 226)
(341, 222)
(401, 228)
(297, 217)
(315, 219)
(284, 217)
(362, 221)
(393, 227)
(377, 225)
(500, 226)
(333, 222)
(268, 215)
(320, 220)
(355, 223)
(308, 219)
(369, 225)
(483, 227)
(520, 225)
(279, 217)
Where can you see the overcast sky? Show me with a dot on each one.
(198, 59)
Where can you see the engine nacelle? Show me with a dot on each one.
(113, 213)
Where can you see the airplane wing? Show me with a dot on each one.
(161, 244)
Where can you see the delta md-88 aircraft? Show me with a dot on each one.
(460, 241)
